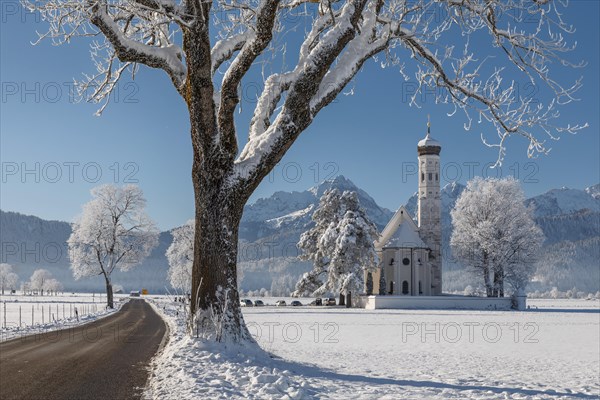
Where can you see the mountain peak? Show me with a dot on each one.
(340, 182)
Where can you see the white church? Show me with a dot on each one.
(409, 252)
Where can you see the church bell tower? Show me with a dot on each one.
(429, 205)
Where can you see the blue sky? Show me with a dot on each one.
(369, 137)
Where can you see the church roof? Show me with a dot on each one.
(405, 236)
(428, 141)
(401, 231)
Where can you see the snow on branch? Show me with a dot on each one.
(253, 47)
(162, 54)
(134, 32)
(429, 40)
(531, 36)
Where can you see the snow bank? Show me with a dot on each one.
(550, 352)
(189, 368)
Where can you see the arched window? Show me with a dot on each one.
(392, 261)
(405, 287)
(422, 177)
(420, 288)
(392, 287)
(430, 176)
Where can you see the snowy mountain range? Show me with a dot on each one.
(271, 227)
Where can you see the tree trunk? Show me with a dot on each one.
(215, 299)
(109, 293)
(499, 283)
(486, 277)
(488, 284)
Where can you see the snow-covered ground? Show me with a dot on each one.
(320, 352)
(22, 315)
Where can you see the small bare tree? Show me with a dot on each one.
(208, 50)
(112, 232)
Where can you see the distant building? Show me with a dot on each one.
(409, 252)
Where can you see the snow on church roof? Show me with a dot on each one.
(405, 236)
(401, 231)
(428, 140)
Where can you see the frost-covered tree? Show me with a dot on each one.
(494, 233)
(8, 279)
(180, 256)
(341, 246)
(39, 279)
(310, 243)
(113, 232)
(306, 52)
(53, 285)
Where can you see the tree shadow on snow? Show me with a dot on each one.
(312, 371)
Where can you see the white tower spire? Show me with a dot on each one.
(429, 204)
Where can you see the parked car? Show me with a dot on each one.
(134, 293)
(258, 303)
(280, 303)
(246, 303)
(317, 302)
(330, 301)
(295, 303)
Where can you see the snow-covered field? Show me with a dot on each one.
(23, 315)
(549, 352)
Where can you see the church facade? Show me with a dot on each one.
(410, 252)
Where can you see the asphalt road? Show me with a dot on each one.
(107, 359)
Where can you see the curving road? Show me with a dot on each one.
(106, 359)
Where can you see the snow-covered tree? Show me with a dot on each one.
(53, 285)
(113, 232)
(306, 52)
(39, 279)
(494, 233)
(8, 279)
(180, 255)
(340, 245)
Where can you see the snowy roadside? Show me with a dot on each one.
(12, 332)
(336, 353)
(188, 368)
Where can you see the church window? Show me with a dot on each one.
(422, 177)
(406, 261)
(392, 261)
(405, 287)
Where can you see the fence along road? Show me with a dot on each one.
(105, 359)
